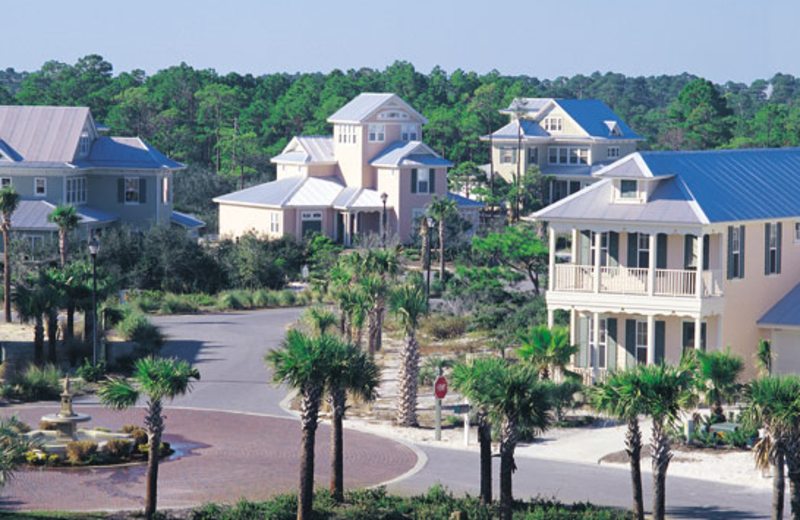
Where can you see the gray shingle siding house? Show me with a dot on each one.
(58, 155)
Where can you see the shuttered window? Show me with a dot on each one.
(735, 252)
(772, 248)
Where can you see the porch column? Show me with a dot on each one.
(573, 316)
(698, 327)
(597, 244)
(551, 318)
(595, 350)
(574, 252)
(700, 260)
(348, 229)
(552, 269)
(719, 331)
(651, 339)
(651, 271)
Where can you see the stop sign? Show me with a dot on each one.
(440, 387)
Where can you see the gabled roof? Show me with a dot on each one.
(719, 185)
(313, 149)
(512, 129)
(126, 152)
(786, 312)
(43, 134)
(360, 108)
(271, 194)
(185, 220)
(314, 192)
(31, 215)
(529, 105)
(363, 199)
(464, 202)
(596, 118)
(408, 154)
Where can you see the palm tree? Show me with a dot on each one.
(718, 373)
(67, 219)
(544, 349)
(665, 391)
(621, 396)
(353, 371)
(74, 283)
(32, 304)
(374, 290)
(13, 446)
(320, 319)
(9, 202)
(470, 379)
(441, 210)
(302, 363)
(155, 379)
(384, 263)
(409, 303)
(773, 403)
(53, 297)
(517, 401)
(764, 357)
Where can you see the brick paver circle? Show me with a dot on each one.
(224, 457)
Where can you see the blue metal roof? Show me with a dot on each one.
(126, 152)
(785, 312)
(592, 115)
(732, 185)
(186, 220)
(463, 202)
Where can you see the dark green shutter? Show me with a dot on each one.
(611, 350)
(703, 335)
(741, 255)
(613, 249)
(630, 343)
(661, 327)
(730, 253)
(432, 181)
(766, 248)
(780, 247)
(583, 341)
(585, 251)
(633, 250)
(706, 252)
(688, 250)
(121, 191)
(142, 191)
(413, 180)
(661, 247)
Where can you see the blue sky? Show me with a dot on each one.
(720, 40)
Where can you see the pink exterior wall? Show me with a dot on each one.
(396, 183)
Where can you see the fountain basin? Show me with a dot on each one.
(55, 444)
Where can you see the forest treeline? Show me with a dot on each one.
(234, 123)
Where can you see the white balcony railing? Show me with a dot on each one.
(634, 281)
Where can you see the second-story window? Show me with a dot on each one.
(574, 155)
(423, 180)
(84, 144)
(552, 124)
(40, 186)
(409, 132)
(735, 252)
(643, 241)
(377, 133)
(76, 190)
(508, 155)
(613, 152)
(131, 190)
(603, 248)
(166, 195)
(772, 248)
(533, 155)
(4, 182)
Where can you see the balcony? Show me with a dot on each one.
(676, 283)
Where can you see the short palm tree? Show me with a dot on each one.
(763, 357)
(67, 219)
(74, 283)
(155, 379)
(471, 379)
(32, 303)
(13, 446)
(374, 291)
(302, 363)
(9, 202)
(520, 404)
(773, 403)
(621, 396)
(665, 391)
(350, 371)
(547, 349)
(384, 263)
(718, 373)
(320, 319)
(441, 209)
(409, 303)
(53, 296)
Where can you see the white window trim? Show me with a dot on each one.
(427, 180)
(568, 156)
(642, 246)
(3, 181)
(274, 222)
(35, 186)
(640, 345)
(614, 155)
(773, 246)
(80, 194)
(311, 215)
(554, 124)
(601, 345)
(409, 132)
(512, 157)
(736, 250)
(138, 194)
(377, 132)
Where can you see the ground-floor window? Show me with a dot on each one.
(311, 222)
(688, 335)
(599, 346)
(559, 190)
(641, 342)
(274, 222)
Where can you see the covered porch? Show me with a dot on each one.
(359, 212)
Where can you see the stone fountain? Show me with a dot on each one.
(65, 428)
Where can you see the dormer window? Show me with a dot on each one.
(628, 189)
(84, 144)
(613, 128)
(392, 114)
(552, 124)
(377, 133)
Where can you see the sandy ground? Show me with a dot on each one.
(587, 445)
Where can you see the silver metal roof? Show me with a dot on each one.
(314, 191)
(511, 130)
(408, 153)
(31, 215)
(364, 105)
(268, 194)
(318, 147)
(42, 133)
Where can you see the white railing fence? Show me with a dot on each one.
(712, 283)
(623, 280)
(630, 280)
(573, 277)
(675, 282)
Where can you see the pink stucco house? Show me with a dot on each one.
(340, 185)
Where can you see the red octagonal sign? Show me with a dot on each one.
(440, 387)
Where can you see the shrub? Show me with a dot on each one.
(38, 383)
(288, 298)
(138, 435)
(81, 452)
(137, 328)
(445, 327)
(35, 458)
(178, 304)
(91, 373)
(262, 298)
(119, 449)
(47, 426)
(128, 428)
(202, 299)
(53, 460)
(562, 396)
(101, 429)
(147, 301)
(230, 301)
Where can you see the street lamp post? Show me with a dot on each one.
(94, 245)
(384, 197)
(430, 228)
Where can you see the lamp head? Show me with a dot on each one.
(94, 245)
